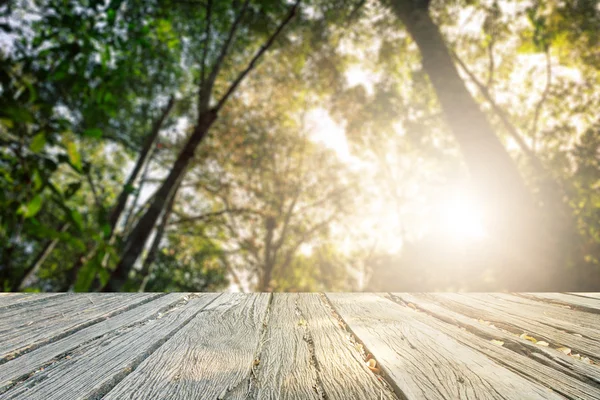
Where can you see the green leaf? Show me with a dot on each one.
(32, 208)
(72, 188)
(6, 122)
(37, 180)
(19, 114)
(104, 276)
(85, 277)
(129, 189)
(74, 156)
(110, 16)
(38, 142)
(32, 92)
(106, 230)
(57, 76)
(93, 133)
(77, 218)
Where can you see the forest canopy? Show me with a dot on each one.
(310, 145)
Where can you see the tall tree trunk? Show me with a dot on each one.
(206, 117)
(141, 161)
(508, 206)
(119, 207)
(152, 253)
(129, 217)
(139, 235)
(264, 281)
(39, 261)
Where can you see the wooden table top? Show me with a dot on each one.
(300, 346)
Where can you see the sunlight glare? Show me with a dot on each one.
(356, 75)
(462, 218)
(325, 130)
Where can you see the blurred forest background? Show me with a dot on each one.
(208, 145)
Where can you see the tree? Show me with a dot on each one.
(81, 280)
(206, 117)
(246, 178)
(495, 176)
(271, 188)
(70, 79)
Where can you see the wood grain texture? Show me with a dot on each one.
(308, 355)
(518, 320)
(17, 368)
(14, 300)
(547, 366)
(211, 356)
(590, 295)
(578, 319)
(287, 369)
(94, 368)
(297, 346)
(25, 329)
(424, 363)
(585, 303)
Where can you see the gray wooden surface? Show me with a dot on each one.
(300, 346)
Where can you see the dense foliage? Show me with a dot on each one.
(198, 145)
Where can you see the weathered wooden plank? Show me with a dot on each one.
(52, 308)
(344, 374)
(515, 321)
(582, 303)
(95, 367)
(563, 313)
(49, 307)
(425, 363)
(213, 354)
(13, 300)
(287, 369)
(28, 363)
(564, 374)
(586, 294)
(23, 330)
(568, 320)
(308, 356)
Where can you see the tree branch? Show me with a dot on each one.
(154, 248)
(538, 107)
(232, 272)
(290, 253)
(491, 65)
(142, 160)
(88, 176)
(512, 130)
(209, 215)
(39, 260)
(207, 85)
(286, 220)
(355, 10)
(206, 43)
(260, 52)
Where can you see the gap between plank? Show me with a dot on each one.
(158, 314)
(34, 301)
(577, 307)
(358, 344)
(515, 347)
(77, 328)
(253, 377)
(307, 337)
(116, 379)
